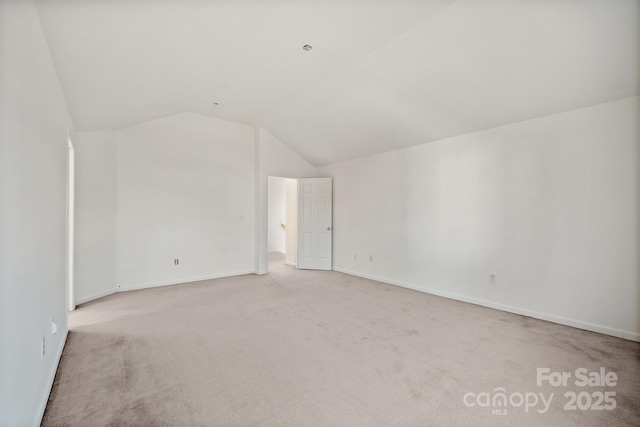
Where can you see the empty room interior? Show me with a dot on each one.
(320, 213)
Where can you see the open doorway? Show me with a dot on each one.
(299, 223)
(71, 301)
(282, 221)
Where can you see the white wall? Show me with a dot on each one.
(95, 230)
(291, 202)
(185, 189)
(181, 183)
(273, 158)
(276, 214)
(33, 194)
(549, 205)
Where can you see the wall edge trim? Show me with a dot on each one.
(592, 327)
(184, 280)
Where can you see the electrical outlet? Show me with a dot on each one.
(176, 261)
(54, 327)
(43, 348)
(370, 258)
(492, 279)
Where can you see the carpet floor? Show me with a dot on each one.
(321, 348)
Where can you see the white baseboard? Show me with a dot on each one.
(52, 377)
(157, 284)
(633, 336)
(96, 296)
(185, 280)
(290, 264)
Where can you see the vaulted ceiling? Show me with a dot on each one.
(381, 75)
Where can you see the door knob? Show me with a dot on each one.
(329, 228)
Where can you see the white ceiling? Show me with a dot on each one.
(382, 74)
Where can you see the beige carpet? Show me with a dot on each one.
(309, 348)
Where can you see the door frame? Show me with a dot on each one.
(71, 173)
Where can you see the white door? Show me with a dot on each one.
(314, 223)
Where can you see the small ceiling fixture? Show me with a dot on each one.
(307, 47)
